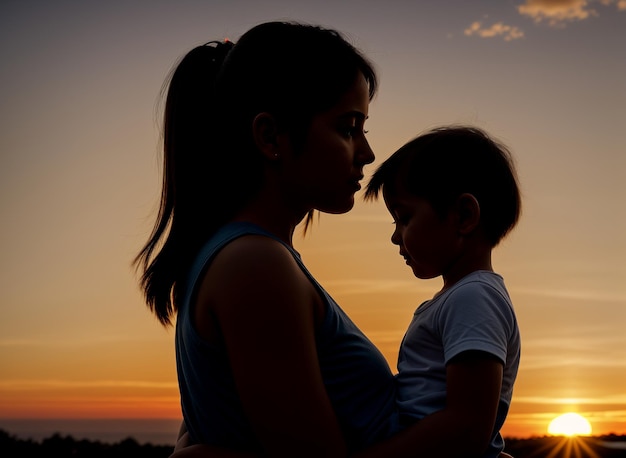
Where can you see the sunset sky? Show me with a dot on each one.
(80, 181)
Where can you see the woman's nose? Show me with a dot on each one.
(365, 153)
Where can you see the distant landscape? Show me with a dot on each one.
(59, 446)
(612, 446)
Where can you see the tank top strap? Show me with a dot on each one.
(219, 240)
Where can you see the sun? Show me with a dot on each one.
(569, 424)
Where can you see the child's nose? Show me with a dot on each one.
(395, 237)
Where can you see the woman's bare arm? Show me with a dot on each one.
(267, 309)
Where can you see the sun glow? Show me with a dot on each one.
(569, 424)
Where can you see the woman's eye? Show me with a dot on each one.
(353, 131)
(350, 131)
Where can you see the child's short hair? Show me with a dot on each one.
(444, 163)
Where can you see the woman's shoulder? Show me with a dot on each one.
(254, 253)
(256, 277)
(256, 268)
(241, 246)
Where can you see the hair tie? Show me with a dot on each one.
(220, 49)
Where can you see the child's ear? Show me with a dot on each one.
(267, 136)
(468, 211)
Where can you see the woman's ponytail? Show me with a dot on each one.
(187, 151)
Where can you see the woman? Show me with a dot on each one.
(257, 136)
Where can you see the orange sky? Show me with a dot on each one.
(79, 184)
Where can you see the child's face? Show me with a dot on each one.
(428, 243)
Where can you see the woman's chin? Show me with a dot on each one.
(339, 208)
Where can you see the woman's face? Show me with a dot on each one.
(325, 172)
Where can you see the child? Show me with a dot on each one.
(453, 195)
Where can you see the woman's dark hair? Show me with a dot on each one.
(446, 162)
(211, 164)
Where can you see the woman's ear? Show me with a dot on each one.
(267, 136)
(468, 212)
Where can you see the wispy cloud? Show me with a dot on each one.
(29, 385)
(499, 29)
(557, 13)
(73, 342)
(561, 359)
(617, 400)
(575, 294)
(369, 286)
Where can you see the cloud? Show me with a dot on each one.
(368, 286)
(559, 12)
(75, 342)
(508, 32)
(575, 294)
(36, 385)
(618, 399)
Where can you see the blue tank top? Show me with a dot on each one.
(357, 378)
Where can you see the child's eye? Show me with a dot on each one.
(402, 220)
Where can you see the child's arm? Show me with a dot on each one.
(464, 427)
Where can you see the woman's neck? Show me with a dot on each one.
(273, 216)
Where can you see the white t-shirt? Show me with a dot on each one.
(474, 314)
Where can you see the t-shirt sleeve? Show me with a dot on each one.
(476, 316)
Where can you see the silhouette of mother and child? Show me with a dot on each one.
(257, 136)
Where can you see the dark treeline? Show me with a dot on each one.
(565, 447)
(68, 447)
